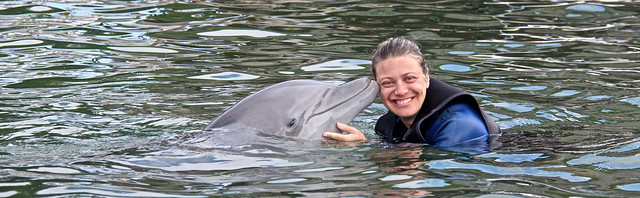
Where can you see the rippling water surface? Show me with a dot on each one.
(91, 90)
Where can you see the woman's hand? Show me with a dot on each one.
(353, 134)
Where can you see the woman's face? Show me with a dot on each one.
(403, 86)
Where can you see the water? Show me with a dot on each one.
(91, 90)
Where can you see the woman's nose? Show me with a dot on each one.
(401, 89)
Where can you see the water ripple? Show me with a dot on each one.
(532, 171)
(62, 190)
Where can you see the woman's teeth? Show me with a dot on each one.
(403, 101)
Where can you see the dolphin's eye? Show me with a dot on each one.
(291, 123)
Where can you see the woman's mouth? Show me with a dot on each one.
(405, 101)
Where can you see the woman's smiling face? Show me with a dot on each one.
(403, 86)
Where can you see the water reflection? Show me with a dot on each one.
(251, 33)
(603, 159)
(529, 88)
(497, 170)
(586, 8)
(633, 101)
(28, 9)
(56, 170)
(191, 161)
(456, 68)
(343, 64)
(425, 183)
(461, 52)
(396, 177)
(565, 93)
(513, 158)
(144, 50)
(630, 187)
(21, 43)
(226, 76)
(101, 191)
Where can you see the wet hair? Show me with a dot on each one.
(396, 47)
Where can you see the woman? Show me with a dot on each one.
(421, 109)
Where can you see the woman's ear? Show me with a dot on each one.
(426, 78)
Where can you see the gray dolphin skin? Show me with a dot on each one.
(302, 109)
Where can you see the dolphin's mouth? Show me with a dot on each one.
(332, 98)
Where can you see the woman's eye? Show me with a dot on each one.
(386, 84)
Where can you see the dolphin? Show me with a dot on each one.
(266, 128)
(299, 109)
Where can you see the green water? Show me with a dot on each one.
(89, 91)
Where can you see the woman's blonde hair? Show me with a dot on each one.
(396, 47)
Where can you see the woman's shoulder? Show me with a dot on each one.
(457, 123)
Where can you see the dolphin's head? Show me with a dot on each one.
(299, 108)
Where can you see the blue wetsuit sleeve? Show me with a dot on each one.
(459, 125)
